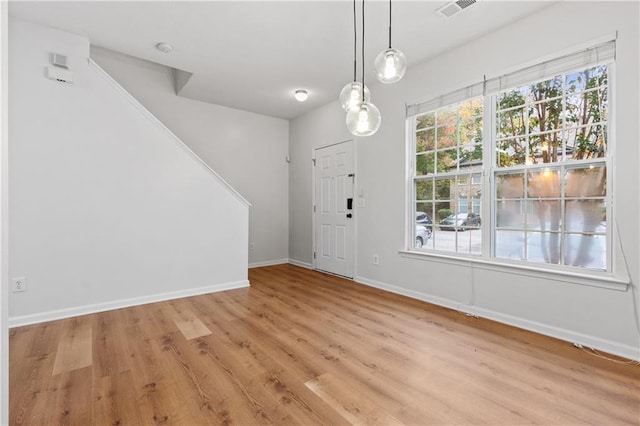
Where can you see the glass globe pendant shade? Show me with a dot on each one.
(390, 65)
(351, 95)
(364, 119)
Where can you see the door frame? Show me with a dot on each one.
(355, 206)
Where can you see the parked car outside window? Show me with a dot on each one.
(460, 222)
(422, 235)
(424, 219)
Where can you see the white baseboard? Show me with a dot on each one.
(268, 263)
(124, 303)
(585, 340)
(604, 345)
(440, 301)
(301, 264)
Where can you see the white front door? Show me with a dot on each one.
(334, 222)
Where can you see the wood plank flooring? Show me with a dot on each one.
(300, 347)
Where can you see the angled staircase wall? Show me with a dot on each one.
(107, 207)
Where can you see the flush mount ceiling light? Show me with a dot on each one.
(164, 47)
(351, 92)
(390, 64)
(301, 95)
(363, 119)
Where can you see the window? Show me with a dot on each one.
(540, 136)
(448, 157)
(551, 148)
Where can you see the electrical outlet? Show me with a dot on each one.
(251, 246)
(19, 284)
(376, 259)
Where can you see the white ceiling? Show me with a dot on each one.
(253, 55)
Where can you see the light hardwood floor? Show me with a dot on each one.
(300, 347)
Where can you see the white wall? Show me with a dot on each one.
(106, 207)
(596, 316)
(248, 150)
(4, 295)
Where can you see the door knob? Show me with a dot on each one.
(349, 215)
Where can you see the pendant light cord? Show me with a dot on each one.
(363, 51)
(389, 24)
(355, 43)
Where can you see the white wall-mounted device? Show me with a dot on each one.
(59, 70)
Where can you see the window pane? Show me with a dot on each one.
(471, 131)
(511, 123)
(425, 213)
(448, 115)
(509, 214)
(447, 160)
(543, 247)
(546, 116)
(587, 107)
(424, 190)
(512, 152)
(443, 188)
(512, 98)
(588, 216)
(587, 251)
(510, 244)
(587, 142)
(586, 182)
(510, 185)
(543, 215)
(470, 158)
(444, 209)
(421, 237)
(545, 89)
(471, 108)
(587, 112)
(469, 241)
(426, 120)
(582, 80)
(463, 206)
(545, 148)
(544, 184)
(604, 116)
(447, 136)
(425, 140)
(425, 163)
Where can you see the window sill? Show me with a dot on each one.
(594, 279)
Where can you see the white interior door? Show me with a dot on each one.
(334, 222)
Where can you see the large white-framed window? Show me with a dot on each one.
(448, 159)
(517, 169)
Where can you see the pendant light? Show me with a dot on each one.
(390, 64)
(364, 119)
(350, 94)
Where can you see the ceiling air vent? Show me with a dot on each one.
(455, 7)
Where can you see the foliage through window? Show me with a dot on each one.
(546, 197)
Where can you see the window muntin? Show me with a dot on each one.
(548, 195)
